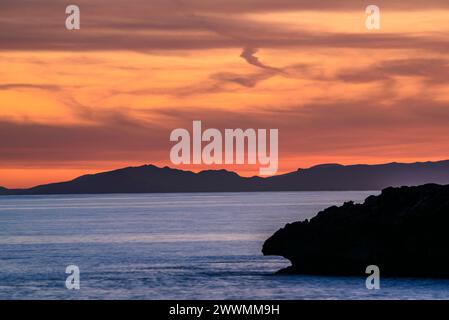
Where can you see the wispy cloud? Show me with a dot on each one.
(164, 25)
(14, 86)
(249, 55)
(431, 70)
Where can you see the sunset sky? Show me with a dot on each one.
(108, 95)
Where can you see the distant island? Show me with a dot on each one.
(326, 177)
(403, 231)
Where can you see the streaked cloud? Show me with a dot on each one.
(188, 25)
(13, 86)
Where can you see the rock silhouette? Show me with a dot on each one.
(326, 177)
(404, 231)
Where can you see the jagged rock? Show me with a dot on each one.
(404, 231)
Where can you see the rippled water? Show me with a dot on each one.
(170, 246)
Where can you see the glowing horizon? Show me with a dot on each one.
(108, 96)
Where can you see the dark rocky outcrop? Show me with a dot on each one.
(404, 231)
(326, 177)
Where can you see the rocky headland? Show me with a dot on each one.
(404, 231)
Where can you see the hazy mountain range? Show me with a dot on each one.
(325, 177)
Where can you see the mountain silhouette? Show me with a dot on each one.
(325, 177)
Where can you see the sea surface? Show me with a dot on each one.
(171, 246)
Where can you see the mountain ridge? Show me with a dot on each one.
(326, 177)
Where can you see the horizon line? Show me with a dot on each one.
(230, 171)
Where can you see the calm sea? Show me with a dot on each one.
(170, 246)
